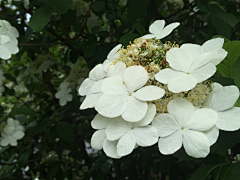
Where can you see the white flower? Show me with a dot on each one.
(188, 67)
(63, 93)
(95, 75)
(12, 132)
(99, 140)
(215, 45)
(7, 29)
(126, 95)
(183, 126)
(132, 134)
(93, 87)
(111, 57)
(7, 48)
(222, 100)
(158, 31)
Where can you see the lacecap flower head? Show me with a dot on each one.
(152, 89)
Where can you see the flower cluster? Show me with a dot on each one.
(63, 93)
(8, 40)
(152, 89)
(12, 132)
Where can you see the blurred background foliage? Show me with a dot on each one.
(61, 40)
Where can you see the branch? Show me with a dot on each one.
(185, 7)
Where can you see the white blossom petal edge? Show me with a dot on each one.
(158, 30)
(177, 132)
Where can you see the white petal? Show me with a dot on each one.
(96, 88)
(18, 135)
(12, 141)
(145, 136)
(4, 39)
(135, 77)
(116, 129)
(166, 75)
(135, 110)
(167, 30)
(63, 101)
(215, 86)
(86, 86)
(97, 73)
(126, 144)
(117, 69)
(228, 120)
(4, 141)
(203, 73)
(148, 117)
(165, 125)
(149, 93)
(181, 110)
(110, 148)
(170, 144)
(112, 53)
(224, 98)
(193, 49)
(195, 143)
(4, 53)
(97, 139)
(112, 104)
(90, 100)
(106, 64)
(219, 57)
(179, 59)
(212, 134)
(100, 122)
(157, 26)
(69, 97)
(202, 119)
(11, 122)
(182, 83)
(114, 83)
(149, 36)
(13, 48)
(212, 44)
(20, 128)
(8, 129)
(202, 60)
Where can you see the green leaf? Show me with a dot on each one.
(136, 8)
(227, 66)
(24, 156)
(202, 172)
(232, 172)
(65, 131)
(124, 40)
(223, 81)
(222, 27)
(236, 73)
(23, 110)
(98, 6)
(226, 140)
(60, 6)
(237, 104)
(89, 50)
(53, 170)
(40, 18)
(140, 28)
(228, 18)
(10, 77)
